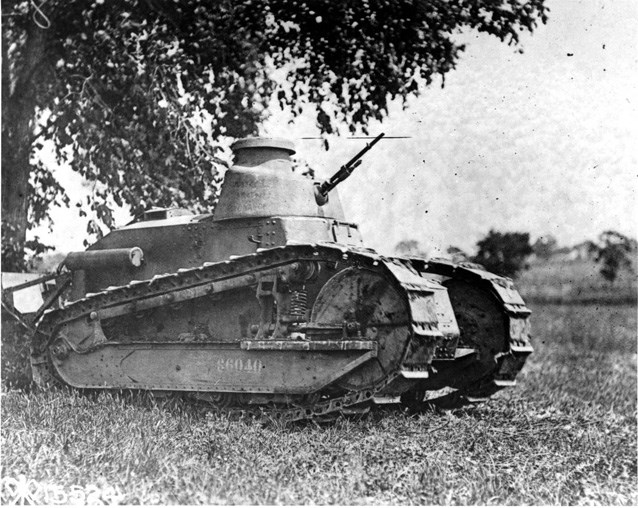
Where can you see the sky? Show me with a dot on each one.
(540, 142)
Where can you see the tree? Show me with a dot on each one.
(137, 96)
(544, 246)
(503, 253)
(457, 255)
(613, 251)
(410, 248)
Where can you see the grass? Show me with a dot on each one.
(565, 435)
(576, 281)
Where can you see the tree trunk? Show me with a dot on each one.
(19, 100)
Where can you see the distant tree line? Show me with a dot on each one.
(507, 253)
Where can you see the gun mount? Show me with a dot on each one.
(322, 189)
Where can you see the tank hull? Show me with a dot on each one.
(191, 240)
(236, 331)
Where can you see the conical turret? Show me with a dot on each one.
(262, 183)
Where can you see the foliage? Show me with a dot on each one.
(410, 248)
(565, 435)
(503, 253)
(137, 97)
(544, 246)
(613, 252)
(12, 253)
(15, 363)
(13, 258)
(457, 255)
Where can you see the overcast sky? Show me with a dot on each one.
(542, 142)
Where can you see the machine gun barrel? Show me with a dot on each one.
(344, 172)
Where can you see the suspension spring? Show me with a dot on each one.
(299, 304)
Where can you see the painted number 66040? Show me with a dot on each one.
(239, 365)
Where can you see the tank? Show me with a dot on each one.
(274, 303)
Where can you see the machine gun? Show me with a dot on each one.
(322, 189)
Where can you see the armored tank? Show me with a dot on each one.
(273, 303)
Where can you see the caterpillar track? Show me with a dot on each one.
(350, 351)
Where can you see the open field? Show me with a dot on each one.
(566, 434)
(576, 281)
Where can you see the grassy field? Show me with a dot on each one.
(565, 435)
(577, 281)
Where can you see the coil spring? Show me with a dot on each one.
(299, 304)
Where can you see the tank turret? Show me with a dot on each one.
(262, 183)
